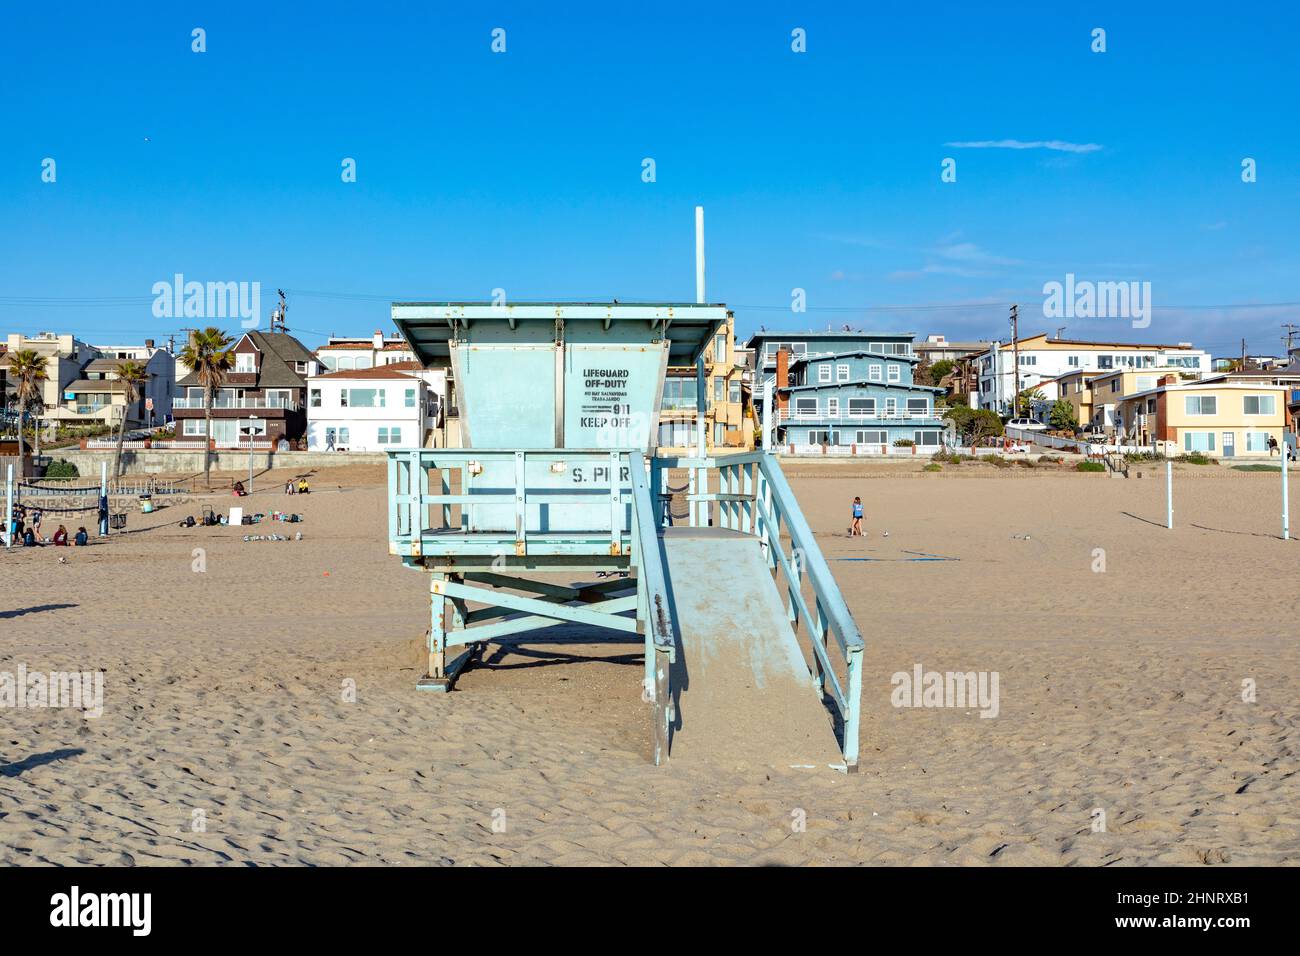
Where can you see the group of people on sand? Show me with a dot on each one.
(25, 528)
(300, 487)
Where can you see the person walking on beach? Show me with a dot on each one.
(856, 527)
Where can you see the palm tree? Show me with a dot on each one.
(208, 355)
(132, 375)
(28, 367)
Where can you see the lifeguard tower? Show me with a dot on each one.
(559, 408)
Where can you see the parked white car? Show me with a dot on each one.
(1027, 424)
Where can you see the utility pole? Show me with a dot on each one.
(278, 316)
(1015, 351)
(1291, 329)
(1243, 356)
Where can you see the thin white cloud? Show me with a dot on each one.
(1059, 145)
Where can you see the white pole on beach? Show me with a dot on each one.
(9, 507)
(252, 419)
(1286, 500)
(1169, 493)
(699, 255)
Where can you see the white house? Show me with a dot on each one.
(372, 409)
(341, 354)
(1043, 358)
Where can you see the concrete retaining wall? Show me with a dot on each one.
(180, 461)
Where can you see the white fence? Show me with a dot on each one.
(1093, 449)
(111, 443)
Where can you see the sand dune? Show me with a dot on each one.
(226, 737)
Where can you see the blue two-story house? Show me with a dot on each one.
(862, 395)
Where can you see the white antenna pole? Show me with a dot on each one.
(699, 254)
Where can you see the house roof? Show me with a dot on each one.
(392, 370)
(1083, 343)
(1202, 385)
(278, 350)
(1285, 372)
(353, 345)
(827, 356)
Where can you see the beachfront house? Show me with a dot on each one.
(65, 357)
(374, 409)
(766, 346)
(1221, 419)
(862, 396)
(348, 353)
(1094, 395)
(97, 397)
(726, 424)
(268, 383)
(1043, 359)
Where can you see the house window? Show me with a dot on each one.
(842, 373)
(193, 426)
(1151, 406)
(719, 433)
(1201, 405)
(733, 390)
(872, 437)
(390, 435)
(862, 406)
(928, 437)
(1114, 385)
(362, 398)
(873, 371)
(1256, 441)
(246, 362)
(1073, 361)
(805, 406)
(315, 398)
(1029, 360)
(343, 437)
(918, 406)
(409, 398)
(720, 348)
(823, 373)
(891, 407)
(1105, 361)
(816, 437)
(1259, 404)
(895, 373)
(719, 384)
(1198, 441)
(832, 408)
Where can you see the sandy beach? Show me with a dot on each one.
(229, 735)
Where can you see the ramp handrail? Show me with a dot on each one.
(755, 498)
(656, 613)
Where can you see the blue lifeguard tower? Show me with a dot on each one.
(559, 409)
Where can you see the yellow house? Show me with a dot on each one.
(726, 425)
(1105, 390)
(1219, 419)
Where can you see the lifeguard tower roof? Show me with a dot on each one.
(688, 326)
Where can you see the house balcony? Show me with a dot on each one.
(885, 416)
(237, 404)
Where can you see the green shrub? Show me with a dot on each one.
(933, 467)
(904, 443)
(1090, 466)
(1196, 458)
(1273, 468)
(62, 469)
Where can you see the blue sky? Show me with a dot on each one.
(522, 170)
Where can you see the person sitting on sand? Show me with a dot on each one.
(82, 539)
(239, 489)
(60, 537)
(289, 487)
(29, 539)
(302, 486)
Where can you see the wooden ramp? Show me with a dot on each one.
(742, 690)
